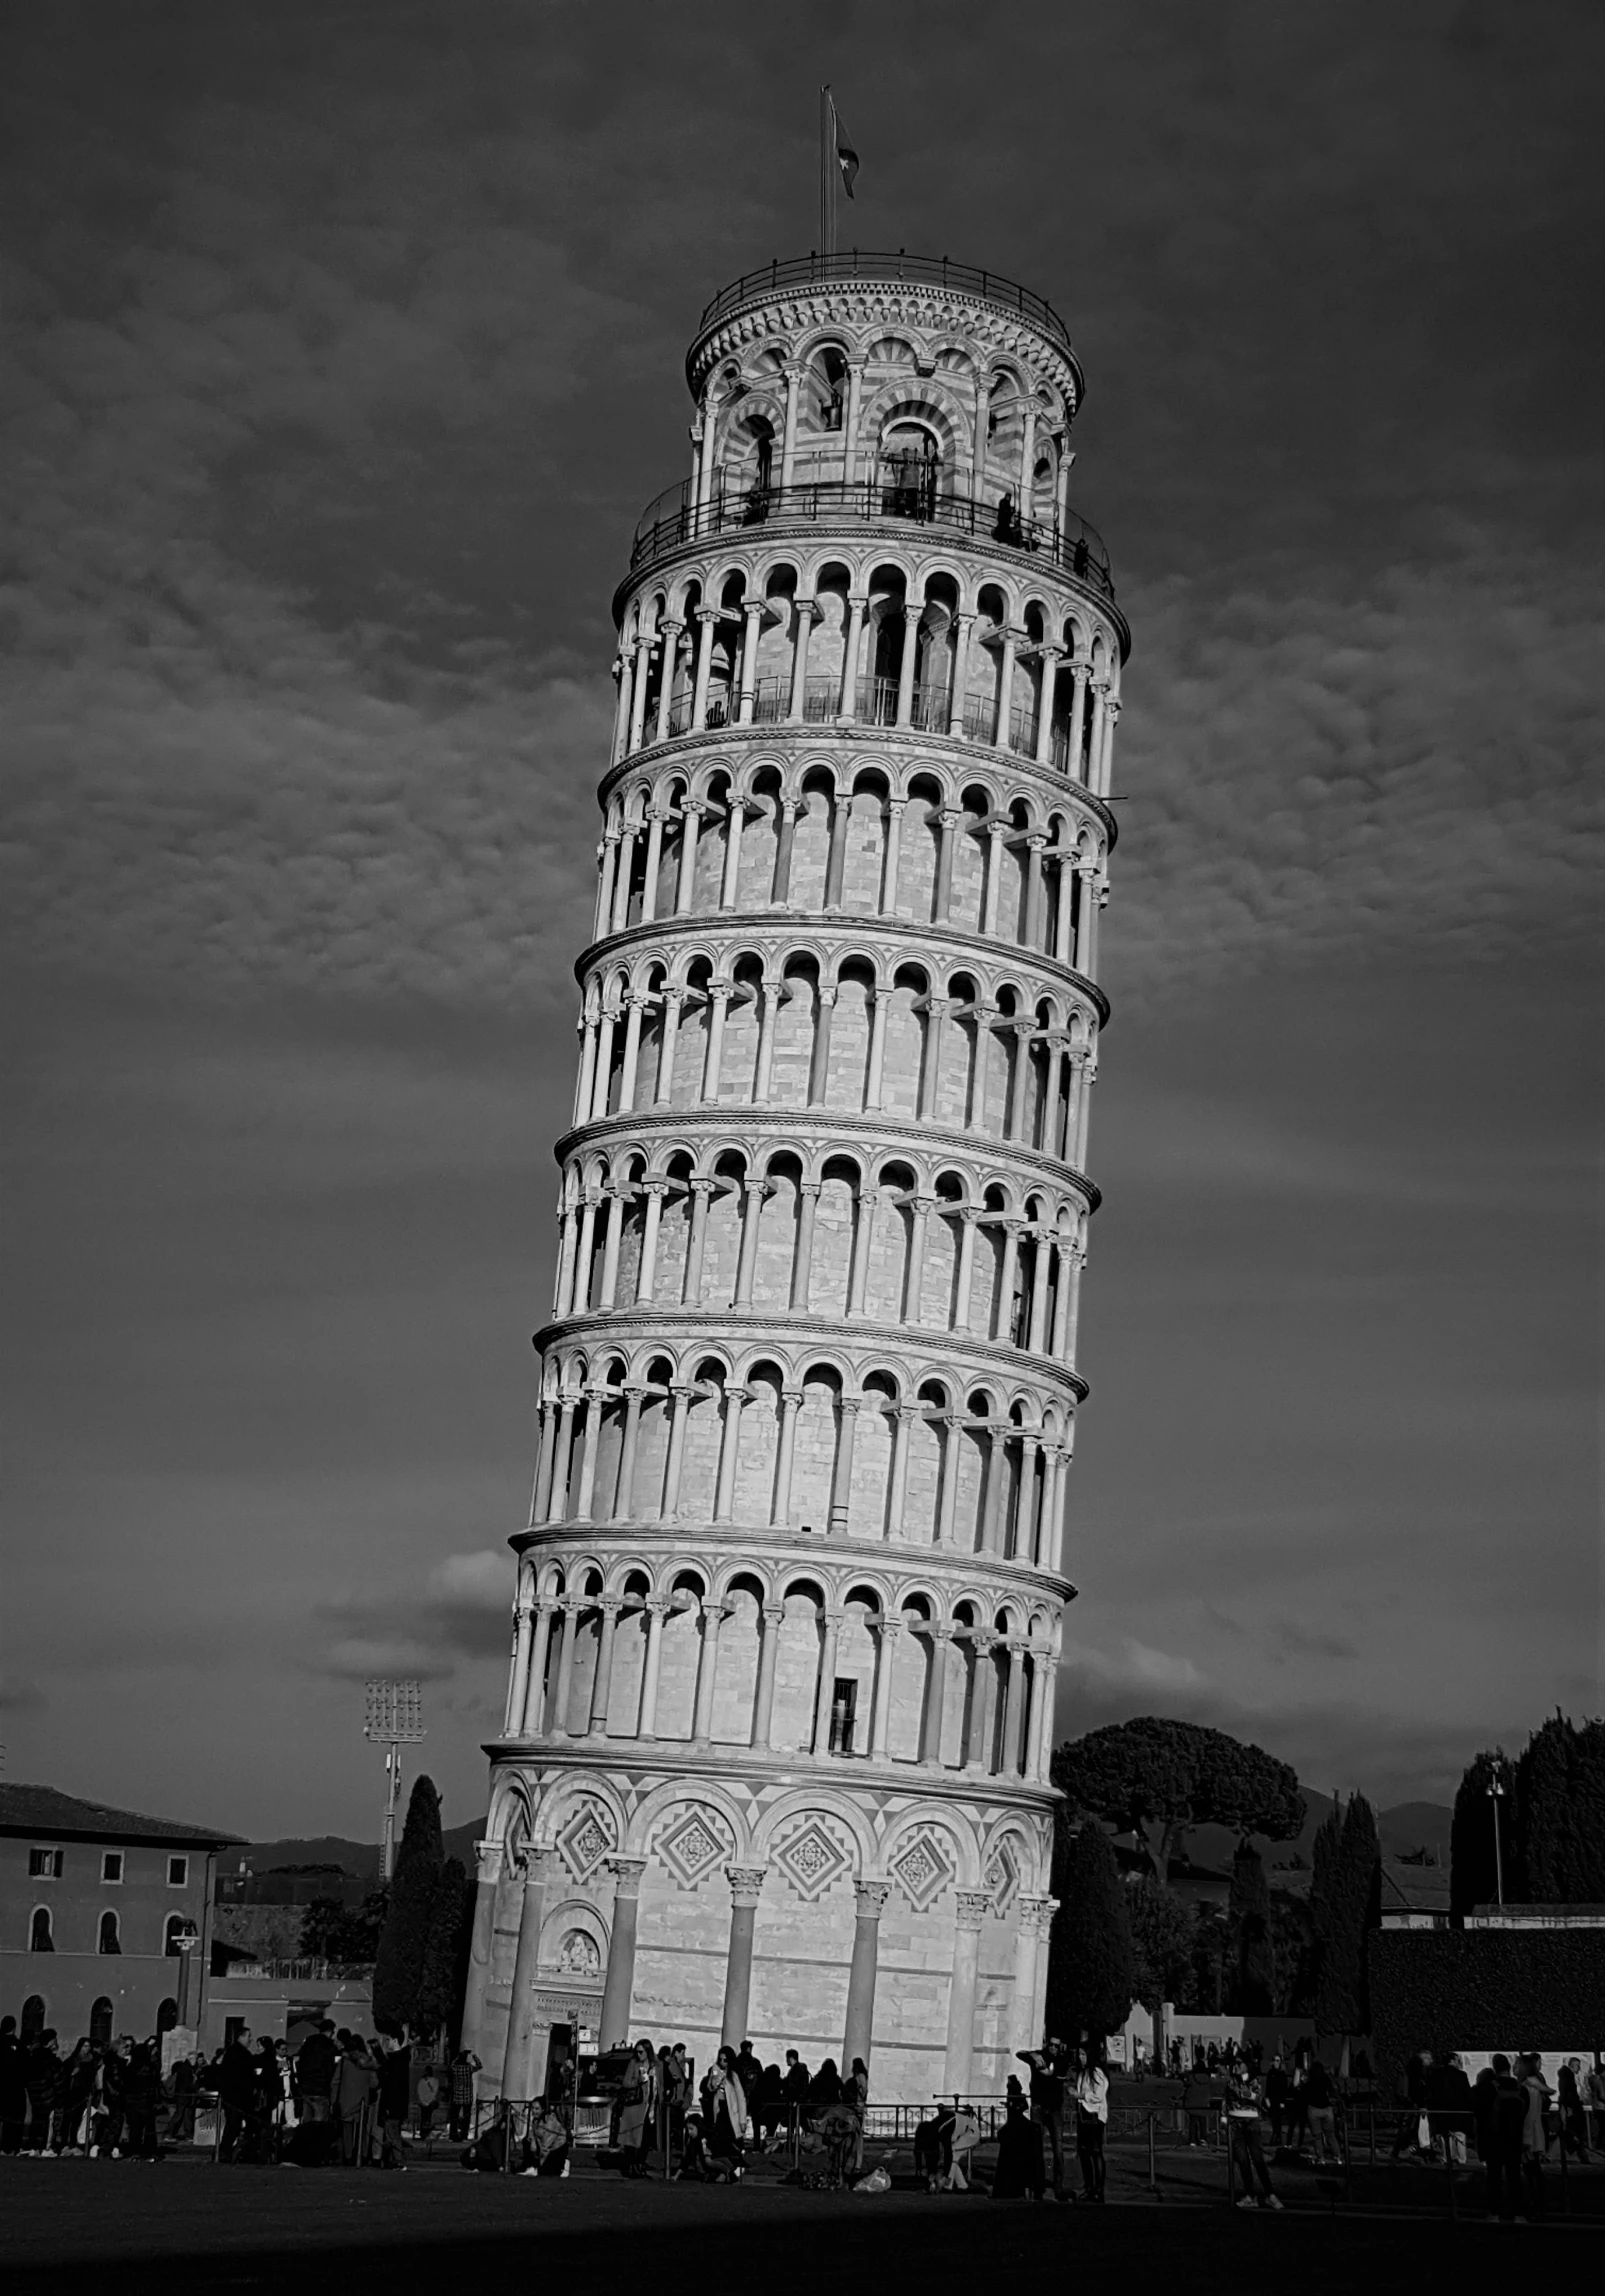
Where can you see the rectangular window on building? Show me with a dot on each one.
(111, 1865)
(44, 1865)
(177, 1872)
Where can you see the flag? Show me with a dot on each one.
(846, 157)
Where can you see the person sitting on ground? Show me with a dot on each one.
(695, 2166)
(548, 2143)
(929, 2166)
(959, 2143)
(1018, 2175)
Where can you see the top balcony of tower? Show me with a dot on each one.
(964, 281)
(865, 390)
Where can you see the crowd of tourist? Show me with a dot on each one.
(338, 2095)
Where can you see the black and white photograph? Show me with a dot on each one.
(800, 888)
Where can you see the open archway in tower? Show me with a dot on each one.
(801, 1641)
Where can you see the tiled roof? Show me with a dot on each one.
(44, 1810)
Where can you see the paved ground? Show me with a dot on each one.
(184, 2226)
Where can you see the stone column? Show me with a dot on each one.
(691, 1292)
(622, 876)
(656, 1611)
(785, 839)
(930, 1078)
(621, 705)
(1078, 718)
(841, 1490)
(654, 863)
(718, 999)
(1042, 1752)
(1028, 1940)
(826, 1685)
(891, 857)
(983, 1708)
(582, 1256)
(1106, 763)
(897, 1498)
(518, 2060)
(565, 1668)
(586, 1086)
(735, 822)
(932, 1719)
(769, 994)
(679, 1402)
(604, 883)
(487, 1881)
(970, 1911)
(961, 674)
(1074, 1260)
(1013, 1764)
(724, 1501)
(594, 1400)
(643, 652)
(686, 882)
(707, 1672)
(1003, 1316)
(788, 437)
(563, 1444)
(803, 1259)
(855, 395)
(790, 1403)
(529, 1723)
(624, 1488)
(806, 608)
(819, 1064)
(887, 1633)
(754, 613)
(618, 1985)
(996, 832)
(954, 1422)
(1005, 689)
(1051, 658)
(763, 1707)
(746, 1887)
(863, 1245)
(646, 1274)
(612, 1222)
(673, 998)
(857, 603)
(948, 822)
(1041, 1250)
(985, 1015)
(914, 1279)
(969, 1219)
(633, 1008)
(906, 665)
(870, 1897)
(754, 1192)
(707, 616)
(602, 1688)
(602, 1082)
(518, 1683)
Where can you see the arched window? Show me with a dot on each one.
(100, 2023)
(177, 1926)
(110, 1942)
(39, 1937)
(167, 2015)
(33, 2017)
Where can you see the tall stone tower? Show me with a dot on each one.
(789, 1602)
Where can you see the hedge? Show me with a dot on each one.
(1506, 1989)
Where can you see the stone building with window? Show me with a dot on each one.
(105, 1916)
(788, 1605)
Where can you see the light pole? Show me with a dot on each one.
(394, 1720)
(1496, 1794)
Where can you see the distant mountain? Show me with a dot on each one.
(1415, 1826)
(358, 1859)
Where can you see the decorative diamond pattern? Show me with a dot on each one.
(585, 1840)
(811, 1861)
(923, 1871)
(1003, 1876)
(690, 1847)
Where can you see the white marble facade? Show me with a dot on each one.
(789, 1603)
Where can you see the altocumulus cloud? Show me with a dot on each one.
(460, 1614)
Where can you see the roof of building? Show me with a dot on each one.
(1411, 1888)
(45, 1810)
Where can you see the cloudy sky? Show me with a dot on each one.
(341, 347)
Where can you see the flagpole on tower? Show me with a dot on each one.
(827, 173)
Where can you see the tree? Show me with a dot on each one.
(1543, 1797)
(404, 1939)
(1154, 1778)
(331, 1931)
(1161, 1943)
(1210, 1941)
(1345, 1904)
(445, 1965)
(1091, 1977)
(1473, 1875)
(1249, 1920)
(1586, 1875)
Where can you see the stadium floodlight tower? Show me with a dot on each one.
(789, 1602)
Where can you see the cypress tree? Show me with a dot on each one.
(1544, 1781)
(1351, 1874)
(1472, 1870)
(445, 1963)
(1091, 1972)
(1585, 1881)
(404, 1939)
(1249, 1914)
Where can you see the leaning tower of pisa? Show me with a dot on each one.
(789, 1602)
